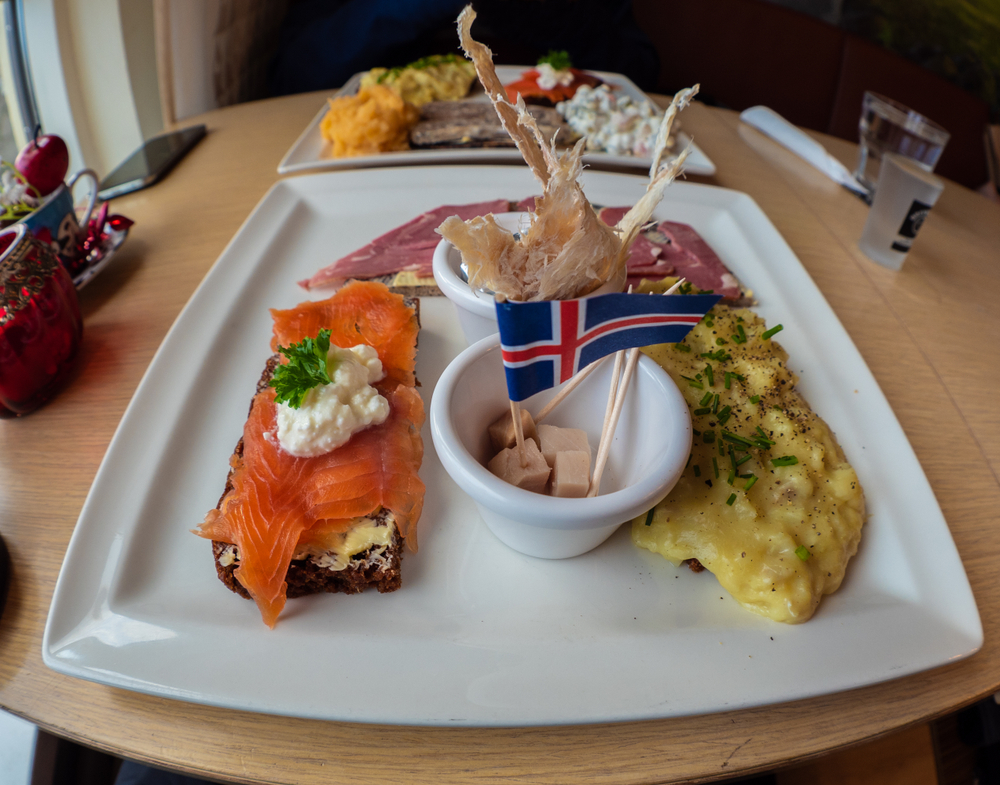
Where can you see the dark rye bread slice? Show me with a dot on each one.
(476, 124)
(370, 568)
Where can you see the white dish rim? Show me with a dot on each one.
(938, 599)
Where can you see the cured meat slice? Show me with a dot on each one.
(692, 258)
(361, 312)
(672, 248)
(407, 247)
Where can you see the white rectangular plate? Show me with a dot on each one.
(312, 152)
(479, 634)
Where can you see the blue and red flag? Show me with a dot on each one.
(546, 343)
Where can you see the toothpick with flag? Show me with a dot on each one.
(544, 344)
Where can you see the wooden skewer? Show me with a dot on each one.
(612, 414)
(612, 395)
(607, 435)
(675, 287)
(515, 412)
(616, 372)
(571, 385)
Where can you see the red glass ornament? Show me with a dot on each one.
(40, 322)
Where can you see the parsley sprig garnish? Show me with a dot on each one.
(558, 59)
(307, 367)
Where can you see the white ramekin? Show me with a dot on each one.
(650, 449)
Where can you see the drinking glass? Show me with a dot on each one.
(905, 195)
(887, 126)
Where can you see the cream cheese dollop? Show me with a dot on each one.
(549, 77)
(331, 413)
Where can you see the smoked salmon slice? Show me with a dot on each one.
(276, 499)
(361, 312)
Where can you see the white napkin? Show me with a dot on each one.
(778, 128)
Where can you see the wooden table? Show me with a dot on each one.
(928, 332)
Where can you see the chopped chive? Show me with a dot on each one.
(715, 465)
(731, 499)
(735, 439)
(773, 331)
(715, 404)
(697, 470)
(706, 399)
(732, 458)
(701, 411)
(785, 460)
(741, 336)
(803, 552)
(754, 399)
(696, 432)
(708, 437)
(649, 516)
(681, 347)
(776, 408)
(721, 449)
(724, 414)
(693, 382)
(729, 377)
(731, 478)
(721, 341)
(710, 375)
(749, 485)
(743, 460)
(763, 436)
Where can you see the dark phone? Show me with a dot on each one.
(151, 162)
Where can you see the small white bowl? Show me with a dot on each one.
(650, 449)
(476, 310)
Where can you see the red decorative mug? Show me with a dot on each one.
(40, 322)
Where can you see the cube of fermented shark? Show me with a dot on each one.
(571, 474)
(502, 431)
(552, 440)
(506, 465)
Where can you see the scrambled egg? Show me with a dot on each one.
(768, 502)
(434, 78)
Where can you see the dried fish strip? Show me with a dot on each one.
(567, 251)
(482, 58)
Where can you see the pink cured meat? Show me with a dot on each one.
(407, 247)
(671, 248)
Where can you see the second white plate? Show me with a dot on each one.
(479, 635)
(312, 152)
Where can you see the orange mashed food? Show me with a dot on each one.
(375, 120)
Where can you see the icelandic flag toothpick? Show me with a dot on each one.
(544, 344)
